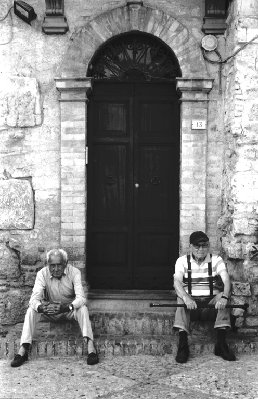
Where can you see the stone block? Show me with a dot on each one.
(241, 289)
(14, 305)
(251, 322)
(16, 204)
(232, 248)
(239, 322)
(31, 257)
(235, 300)
(9, 263)
(250, 250)
(28, 277)
(20, 97)
(255, 289)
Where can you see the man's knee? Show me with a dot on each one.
(82, 311)
(31, 313)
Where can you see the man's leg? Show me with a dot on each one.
(182, 323)
(222, 324)
(82, 316)
(29, 326)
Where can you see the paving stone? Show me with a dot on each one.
(131, 377)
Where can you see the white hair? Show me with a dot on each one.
(59, 251)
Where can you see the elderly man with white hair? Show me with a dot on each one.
(57, 293)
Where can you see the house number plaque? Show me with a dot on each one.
(199, 124)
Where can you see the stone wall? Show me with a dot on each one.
(239, 219)
(37, 170)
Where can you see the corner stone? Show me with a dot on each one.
(241, 289)
(16, 205)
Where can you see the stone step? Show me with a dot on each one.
(119, 324)
(121, 346)
(126, 325)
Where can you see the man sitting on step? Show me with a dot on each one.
(57, 294)
(196, 281)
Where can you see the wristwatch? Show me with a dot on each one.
(71, 307)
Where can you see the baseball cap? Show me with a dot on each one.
(198, 236)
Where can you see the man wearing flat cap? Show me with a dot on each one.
(201, 278)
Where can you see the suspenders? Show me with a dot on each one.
(210, 277)
(189, 278)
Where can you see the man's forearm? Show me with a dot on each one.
(227, 284)
(227, 288)
(180, 291)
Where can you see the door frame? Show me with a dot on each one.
(136, 272)
(73, 153)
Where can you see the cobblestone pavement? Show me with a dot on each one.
(131, 377)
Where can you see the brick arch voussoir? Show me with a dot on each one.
(86, 41)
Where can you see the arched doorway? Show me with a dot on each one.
(133, 164)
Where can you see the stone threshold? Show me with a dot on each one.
(132, 294)
(130, 300)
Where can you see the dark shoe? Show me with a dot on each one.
(183, 348)
(182, 353)
(19, 360)
(222, 349)
(92, 358)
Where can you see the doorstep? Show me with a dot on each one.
(130, 300)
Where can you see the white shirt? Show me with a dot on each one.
(200, 280)
(68, 289)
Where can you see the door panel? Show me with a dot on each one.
(155, 183)
(110, 194)
(133, 174)
(111, 119)
(156, 119)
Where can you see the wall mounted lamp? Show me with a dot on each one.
(24, 11)
(215, 17)
(55, 22)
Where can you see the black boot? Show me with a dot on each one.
(183, 349)
(18, 359)
(221, 347)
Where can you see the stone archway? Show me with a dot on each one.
(87, 40)
(73, 85)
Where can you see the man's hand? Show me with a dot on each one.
(49, 308)
(221, 303)
(53, 308)
(42, 308)
(190, 303)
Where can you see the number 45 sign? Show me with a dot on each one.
(199, 124)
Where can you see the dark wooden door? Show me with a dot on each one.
(133, 185)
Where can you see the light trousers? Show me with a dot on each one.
(81, 315)
(183, 316)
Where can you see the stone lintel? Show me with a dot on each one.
(193, 85)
